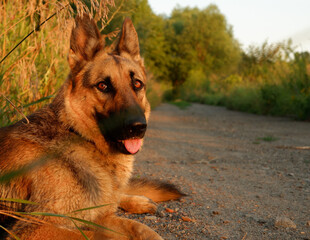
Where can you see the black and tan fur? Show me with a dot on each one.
(78, 143)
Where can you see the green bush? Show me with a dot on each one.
(244, 99)
(196, 87)
(158, 92)
(301, 107)
(213, 99)
(270, 95)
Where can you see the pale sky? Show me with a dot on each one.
(255, 21)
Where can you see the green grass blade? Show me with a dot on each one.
(46, 214)
(18, 201)
(13, 174)
(95, 225)
(181, 104)
(38, 101)
(18, 172)
(9, 232)
(90, 208)
(80, 230)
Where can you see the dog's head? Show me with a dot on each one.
(106, 92)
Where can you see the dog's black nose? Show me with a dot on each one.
(124, 124)
(135, 127)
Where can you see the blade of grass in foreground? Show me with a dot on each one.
(15, 173)
(39, 100)
(9, 232)
(18, 201)
(90, 208)
(44, 214)
(80, 230)
(95, 225)
(18, 216)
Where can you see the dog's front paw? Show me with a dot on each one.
(137, 204)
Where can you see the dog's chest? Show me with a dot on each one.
(100, 175)
(82, 177)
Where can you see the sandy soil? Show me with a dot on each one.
(241, 172)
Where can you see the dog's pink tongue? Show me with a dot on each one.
(133, 145)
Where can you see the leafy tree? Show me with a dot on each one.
(266, 62)
(199, 39)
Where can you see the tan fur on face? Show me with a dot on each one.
(81, 103)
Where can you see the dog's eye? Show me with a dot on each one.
(105, 86)
(102, 86)
(137, 84)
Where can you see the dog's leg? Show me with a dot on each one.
(124, 229)
(137, 204)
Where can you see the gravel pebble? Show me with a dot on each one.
(284, 222)
(169, 210)
(187, 219)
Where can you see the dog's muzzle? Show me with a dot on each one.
(125, 129)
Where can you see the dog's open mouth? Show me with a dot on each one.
(129, 146)
(132, 146)
(124, 130)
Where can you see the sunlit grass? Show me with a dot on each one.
(181, 104)
(268, 138)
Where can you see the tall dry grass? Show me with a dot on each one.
(33, 72)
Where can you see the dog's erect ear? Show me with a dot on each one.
(128, 45)
(85, 42)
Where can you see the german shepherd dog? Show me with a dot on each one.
(84, 142)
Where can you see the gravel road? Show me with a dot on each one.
(246, 176)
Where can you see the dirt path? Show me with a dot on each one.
(241, 172)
